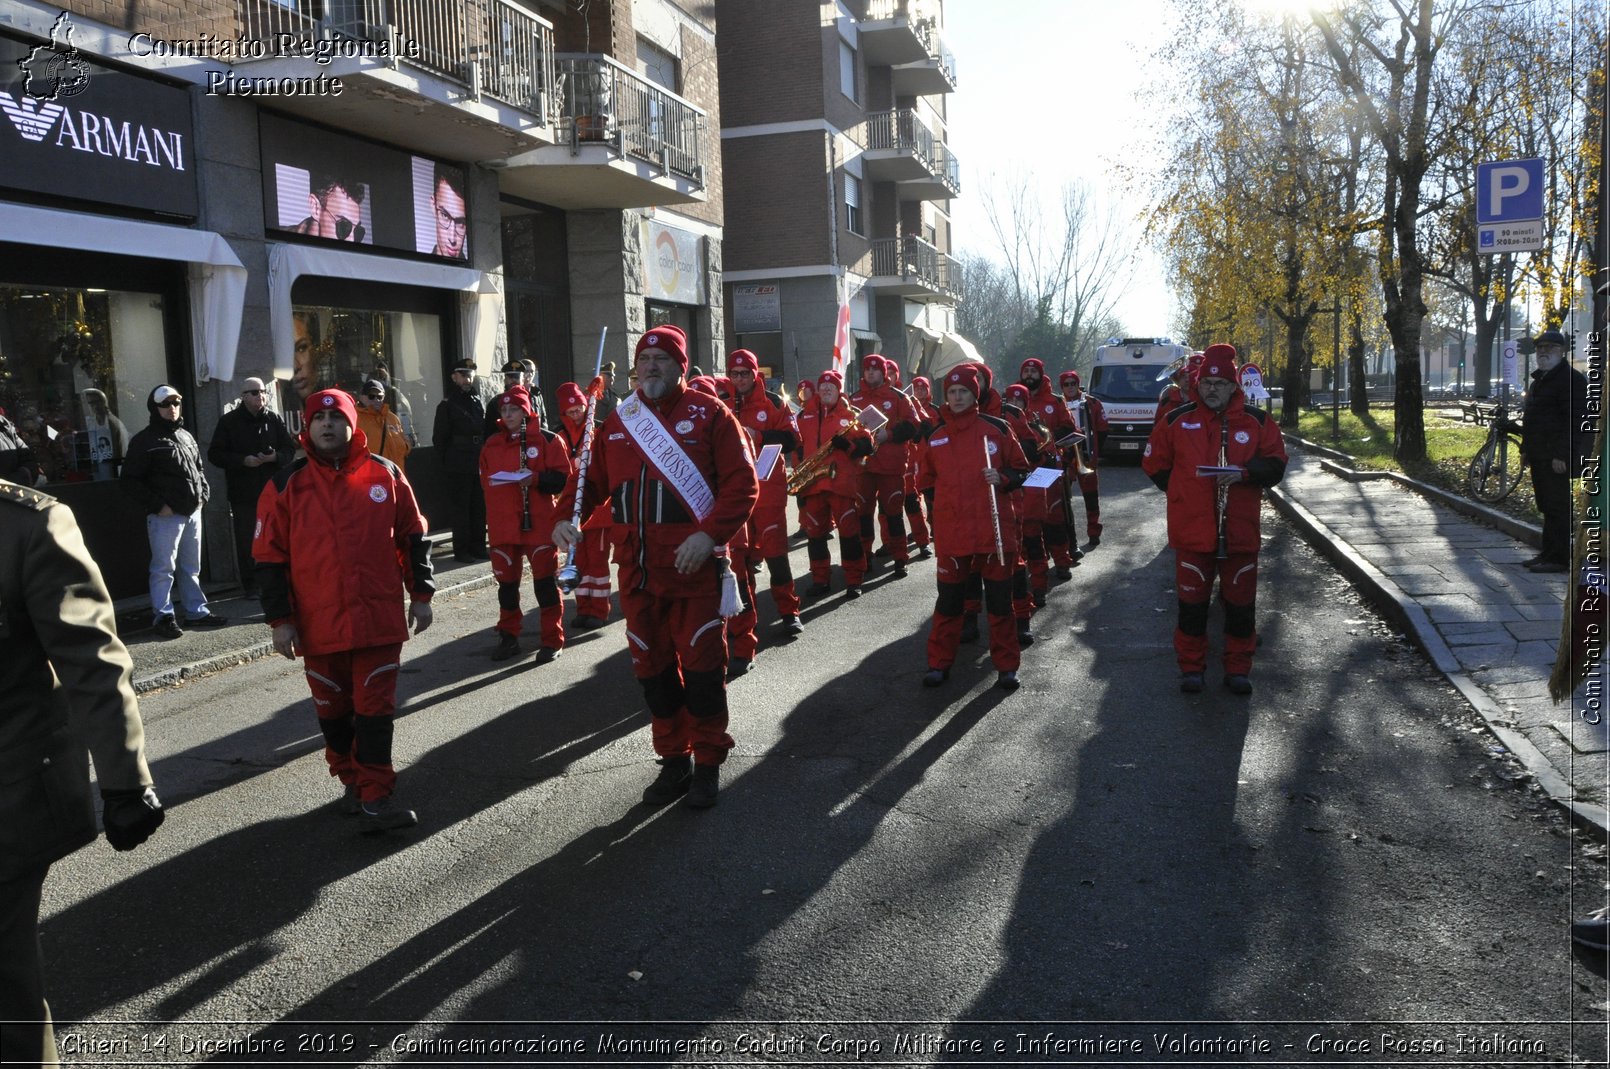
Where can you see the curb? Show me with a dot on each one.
(1407, 615)
(167, 677)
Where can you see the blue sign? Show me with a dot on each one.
(1509, 191)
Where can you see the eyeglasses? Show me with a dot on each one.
(252, 393)
(375, 396)
(457, 222)
(172, 402)
(345, 228)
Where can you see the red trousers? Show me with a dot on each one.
(770, 526)
(508, 564)
(887, 495)
(820, 514)
(914, 517)
(592, 566)
(945, 633)
(1238, 590)
(741, 640)
(679, 655)
(355, 694)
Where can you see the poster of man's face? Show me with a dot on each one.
(324, 203)
(441, 213)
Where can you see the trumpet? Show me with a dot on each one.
(821, 462)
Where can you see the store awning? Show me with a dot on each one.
(217, 279)
(934, 352)
(287, 263)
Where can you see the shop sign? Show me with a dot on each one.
(757, 307)
(74, 128)
(674, 264)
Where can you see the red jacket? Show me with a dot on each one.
(769, 418)
(954, 467)
(341, 543)
(1171, 398)
(890, 457)
(597, 515)
(816, 429)
(1190, 436)
(649, 520)
(1050, 409)
(548, 460)
(1092, 422)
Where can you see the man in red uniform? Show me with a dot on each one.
(883, 479)
(592, 552)
(339, 538)
(1178, 390)
(1030, 506)
(673, 463)
(971, 458)
(829, 501)
(927, 419)
(1213, 518)
(1090, 419)
(519, 520)
(768, 421)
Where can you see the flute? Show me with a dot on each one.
(1224, 488)
(525, 484)
(569, 574)
(994, 509)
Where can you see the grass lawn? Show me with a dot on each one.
(1450, 444)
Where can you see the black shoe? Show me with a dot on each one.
(1025, 637)
(900, 569)
(382, 816)
(1529, 561)
(1238, 684)
(705, 787)
(167, 628)
(935, 677)
(480, 554)
(1064, 573)
(1077, 554)
(465, 558)
(793, 625)
(508, 646)
(1039, 599)
(585, 623)
(1007, 681)
(738, 666)
(349, 804)
(882, 551)
(1547, 567)
(675, 775)
(852, 592)
(1093, 543)
(210, 620)
(1594, 932)
(923, 552)
(1191, 683)
(970, 627)
(549, 654)
(816, 590)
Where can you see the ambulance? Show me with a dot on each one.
(1128, 376)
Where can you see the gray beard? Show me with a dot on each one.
(654, 389)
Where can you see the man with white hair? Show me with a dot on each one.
(250, 444)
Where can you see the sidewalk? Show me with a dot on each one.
(1454, 585)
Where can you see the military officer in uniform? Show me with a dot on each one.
(61, 649)
(459, 431)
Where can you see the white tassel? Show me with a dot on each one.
(731, 603)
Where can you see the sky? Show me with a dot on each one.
(1044, 85)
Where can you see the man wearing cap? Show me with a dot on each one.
(250, 444)
(883, 478)
(1090, 419)
(460, 428)
(523, 467)
(592, 550)
(1213, 515)
(973, 458)
(829, 500)
(768, 421)
(380, 424)
(927, 417)
(675, 466)
(163, 473)
(339, 541)
(609, 400)
(1555, 442)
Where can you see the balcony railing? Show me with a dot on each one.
(915, 261)
(606, 102)
(494, 47)
(902, 131)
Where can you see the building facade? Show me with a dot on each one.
(316, 192)
(834, 148)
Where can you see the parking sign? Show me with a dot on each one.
(1509, 206)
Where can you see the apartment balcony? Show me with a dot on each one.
(933, 75)
(895, 31)
(467, 79)
(910, 267)
(624, 142)
(900, 148)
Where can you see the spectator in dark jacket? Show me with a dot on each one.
(1554, 443)
(163, 473)
(17, 460)
(250, 444)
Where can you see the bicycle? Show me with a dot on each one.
(1496, 468)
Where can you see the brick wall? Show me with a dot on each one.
(700, 85)
(777, 207)
(770, 62)
(173, 19)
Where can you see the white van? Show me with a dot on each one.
(1128, 377)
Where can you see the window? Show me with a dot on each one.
(852, 204)
(847, 70)
(657, 65)
(345, 346)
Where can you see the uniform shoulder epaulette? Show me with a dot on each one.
(387, 463)
(996, 421)
(1258, 414)
(1189, 406)
(283, 475)
(775, 398)
(25, 496)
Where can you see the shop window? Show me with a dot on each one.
(343, 347)
(76, 366)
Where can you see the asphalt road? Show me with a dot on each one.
(1329, 871)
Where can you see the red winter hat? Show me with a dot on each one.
(807, 384)
(1218, 362)
(515, 395)
(1069, 376)
(831, 376)
(1036, 363)
(324, 400)
(669, 339)
(569, 395)
(923, 380)
(874, 360)
(1018, 394)
(724, 388)
(704, 384)
(742, 358)
(963, 375)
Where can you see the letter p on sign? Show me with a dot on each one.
(1509, 191)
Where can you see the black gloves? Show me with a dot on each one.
(840, 442)
(130, 816)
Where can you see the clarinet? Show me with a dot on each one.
(1224, 488)
(525, 484)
